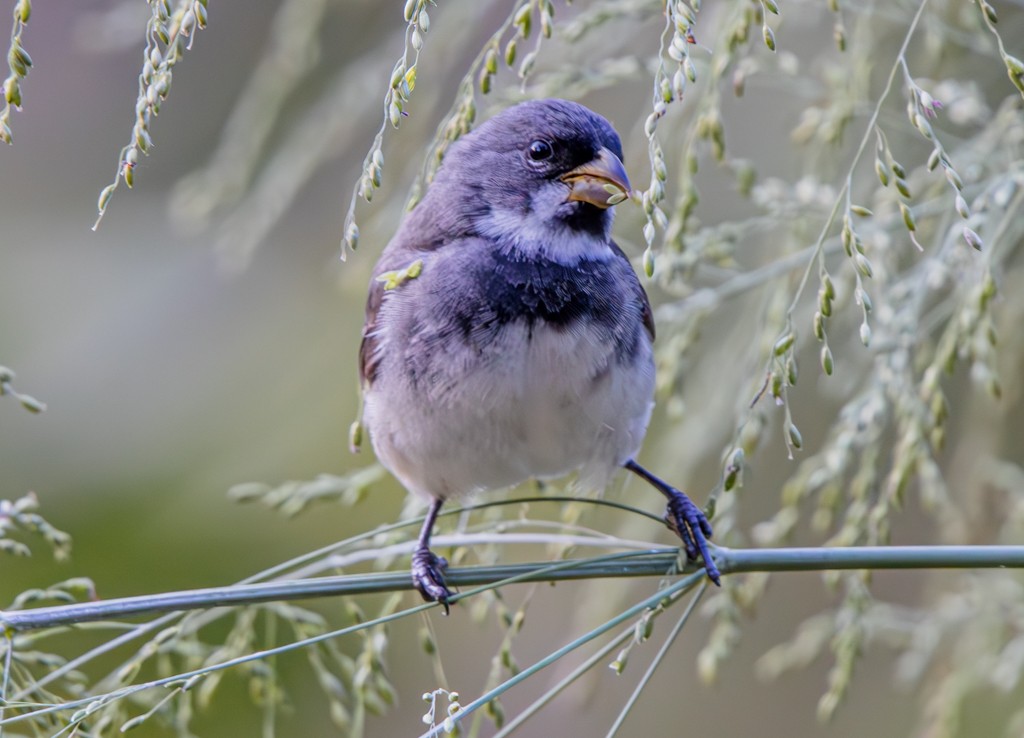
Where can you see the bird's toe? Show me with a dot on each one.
(691, 524)
(428, 577)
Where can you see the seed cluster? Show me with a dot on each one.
(18, 64)
(169, 34)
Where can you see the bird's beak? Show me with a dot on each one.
(602, 181)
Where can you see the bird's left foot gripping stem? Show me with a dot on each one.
(427, 567)
(685, 519)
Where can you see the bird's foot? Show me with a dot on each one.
(428, 576)
(690, 523)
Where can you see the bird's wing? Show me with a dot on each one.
(368, 359)
(641, 293)
(399, 255)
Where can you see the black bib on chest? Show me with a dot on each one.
(511, 289)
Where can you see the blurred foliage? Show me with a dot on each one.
(831, 224)
(7, 389)
(20, 516)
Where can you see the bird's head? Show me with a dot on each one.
(540, 176)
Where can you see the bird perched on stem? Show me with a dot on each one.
(507, 336)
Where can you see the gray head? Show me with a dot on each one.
(540, 176)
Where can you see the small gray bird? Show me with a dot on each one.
(507, 337)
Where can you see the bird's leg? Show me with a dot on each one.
(684, 518)
(427, 567)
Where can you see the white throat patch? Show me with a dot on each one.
(537, 231)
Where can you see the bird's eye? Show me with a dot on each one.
(540, 150)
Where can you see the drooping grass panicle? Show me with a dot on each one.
(170, 30)
(18, 65)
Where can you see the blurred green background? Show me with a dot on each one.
(171, 374)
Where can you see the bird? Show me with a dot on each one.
(507, 336)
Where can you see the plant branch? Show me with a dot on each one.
(869, 130)
(683, 585)
(654, 562)
(658, 658)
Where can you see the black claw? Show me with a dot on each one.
(428, 577)
(691, 524)
(675, 519)
(685, 519)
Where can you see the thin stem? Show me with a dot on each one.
(270, 704)
(189, 677)
(868, 131)
(8, 659)
(279, 571)
(654, 562)
(466, 88)
(736, 561)
(708, 298)
(337, 562)
(681, 586)
(566, 681)
(613, 565)
(658, 658)
(1010, 215)
(186, 676)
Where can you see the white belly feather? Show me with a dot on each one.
(539, 406)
